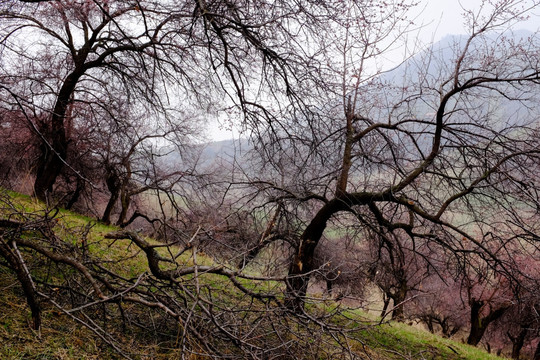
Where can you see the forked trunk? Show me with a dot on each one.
(479, 324)
(302, 265)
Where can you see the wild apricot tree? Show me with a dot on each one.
(442, 148)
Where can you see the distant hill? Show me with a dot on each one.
(224, 150)
(427, 67)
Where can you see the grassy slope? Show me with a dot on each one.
(61, 338)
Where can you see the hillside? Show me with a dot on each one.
(137, 315)
(384, 180)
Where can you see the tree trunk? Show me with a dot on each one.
(299, 274)
(113, 185)
(476, 334)
(399, 297)
(447, 329)
(329, 287)
(386, 303)
(477, 328)
(125, 201)
(429, 322)
(341, 186)
(302, 265)
(479, 324)
(49, 168)
(54, 151)
(106, 218)
(518, 341)
(76, 195)
(125, 188)
(26, 283)
(397, 312)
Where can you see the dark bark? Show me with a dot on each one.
(447, 329)
(76, 194)
(518, 341)
(136, 215)
(346, 164)
(477, 328)
(302, 265)
(113, 185)
(106, 218)
(444, 322)
(479, 324)
(429, 323)
(386, 303)
(125, 201)
(399, 297)
(329, 287)
(17, 266)
(54, 147)
(54, 151)
(429, 320)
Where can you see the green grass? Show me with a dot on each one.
(398, 340)
(58, 339)
(61, 338)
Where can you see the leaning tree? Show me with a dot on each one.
(157, 54)
(442, 148)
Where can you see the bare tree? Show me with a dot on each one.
(161, 293)
(156, 53)
(440, 153)
(440, 305)
(442, 148)
(518, 326)
(18, 149)
(81, 43)
(398, 265)
(489, 299)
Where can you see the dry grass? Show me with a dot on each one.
(62, 338)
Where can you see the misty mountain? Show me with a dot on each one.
(426, 69)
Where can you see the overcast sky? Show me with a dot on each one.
(439, 18)
(446, 17)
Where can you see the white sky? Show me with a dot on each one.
(446, 17)
(439, 18)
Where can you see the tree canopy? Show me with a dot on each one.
(418, 176)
